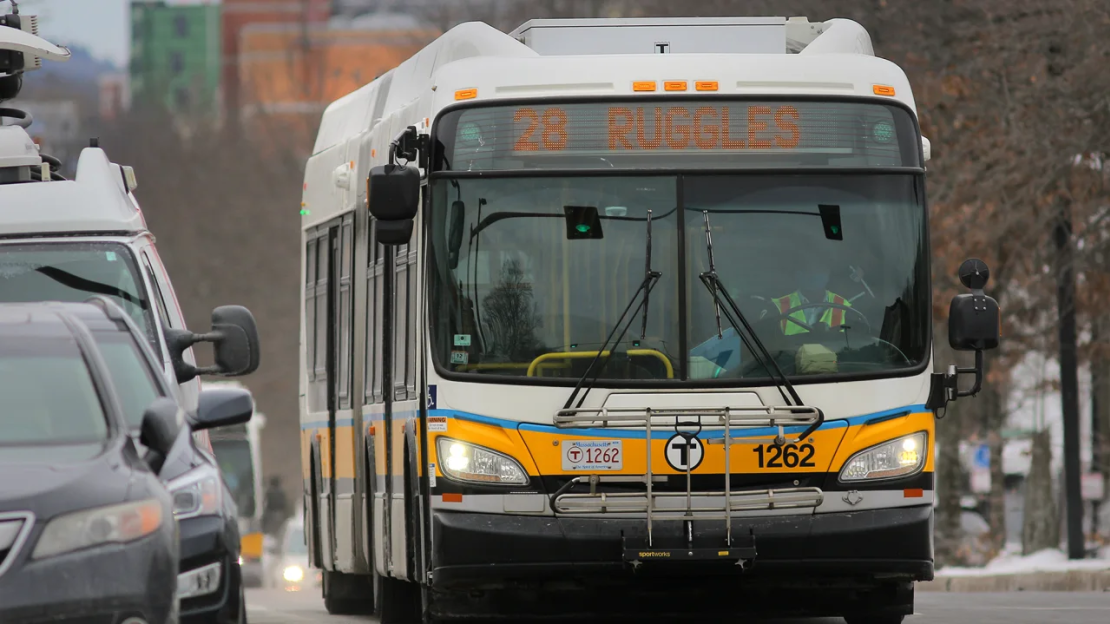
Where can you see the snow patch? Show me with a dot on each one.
(1048, 560)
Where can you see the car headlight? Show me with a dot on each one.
(476, 464)
(895, 458)
(96, 527)
(196, 493)
(293, 574)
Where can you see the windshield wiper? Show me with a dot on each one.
(75, 282)
(737, 319)
(651, 277)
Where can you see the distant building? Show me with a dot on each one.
(115, 95)
(175, 55)
(290, 72)
(238, 15)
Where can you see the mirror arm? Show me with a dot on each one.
(945, 386)
(977, 370)
(411, 146)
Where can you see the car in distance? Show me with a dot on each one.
(290, 570)
(209, 583)
(86, 527)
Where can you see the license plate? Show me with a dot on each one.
(592, 455)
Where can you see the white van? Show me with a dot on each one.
(67, 240)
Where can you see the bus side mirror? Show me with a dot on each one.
(974, 324)
(394, 198)
(234, 336)
(221, 407)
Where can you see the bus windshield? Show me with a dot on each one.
(532, 270)
(237, 466)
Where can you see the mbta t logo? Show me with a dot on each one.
(684, 450)
(662, 47)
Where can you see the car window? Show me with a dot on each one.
(132, 377)
(159, 300)
(48, 395)
(74, 272)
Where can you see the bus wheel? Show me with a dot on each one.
(348, 594)
(399, 602)
(874, 619)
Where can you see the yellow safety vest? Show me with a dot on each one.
(833, 317)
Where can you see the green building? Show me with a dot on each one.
(175, 56)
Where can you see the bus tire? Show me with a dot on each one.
(874, 619)
(399, 602)
(348, 594)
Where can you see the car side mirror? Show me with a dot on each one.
(159, 430)
(234, 336)
(221, 407)
(393, 196)
(974, 324)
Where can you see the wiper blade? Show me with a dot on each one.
(651, 277)
(737, 319)
(76, 282)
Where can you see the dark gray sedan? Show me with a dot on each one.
(87, 531)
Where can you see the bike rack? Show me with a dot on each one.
(667, 506)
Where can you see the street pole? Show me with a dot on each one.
(1069, 378)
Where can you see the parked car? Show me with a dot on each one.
(210, 580)
(86, 527)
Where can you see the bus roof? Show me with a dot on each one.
(475, 62)
(580, 58)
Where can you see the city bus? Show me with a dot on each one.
(625, 314)
(238, 451)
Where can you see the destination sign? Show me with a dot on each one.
(592, 134)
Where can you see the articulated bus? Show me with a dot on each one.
(625, 314)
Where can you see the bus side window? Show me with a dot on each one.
(401, 322)
(372, 383)
(310, 309)
(345, 312)
(316, 319)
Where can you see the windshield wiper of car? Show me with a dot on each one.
(76, 282)
(736, 317)
(651, 278)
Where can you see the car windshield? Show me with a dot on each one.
(73, 272)
(237, 466)
(294, 541)
(132, 378)
(47, 396)
(530, 274)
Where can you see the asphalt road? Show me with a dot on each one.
(278, 607)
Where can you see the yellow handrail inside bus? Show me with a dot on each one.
(558, 355)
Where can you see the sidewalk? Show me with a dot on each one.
(1047, 570)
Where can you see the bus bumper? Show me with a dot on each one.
(851, 555)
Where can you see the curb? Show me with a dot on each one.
(1070, 581)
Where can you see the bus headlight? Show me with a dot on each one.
(467, 462)
(895, 458)
(196, 493)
